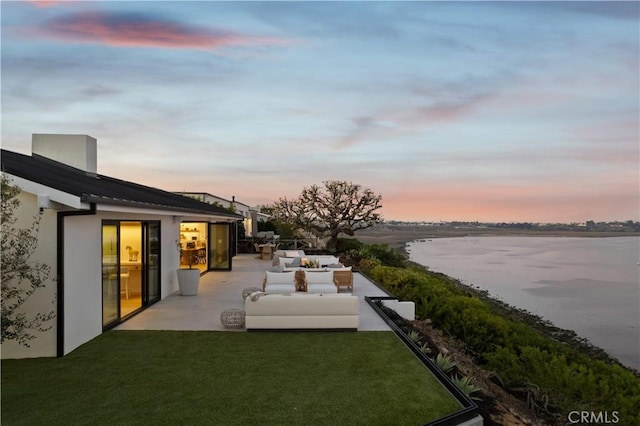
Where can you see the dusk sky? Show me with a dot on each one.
(484, 111)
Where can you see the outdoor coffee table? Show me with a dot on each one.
(232, 318)
(247, 291)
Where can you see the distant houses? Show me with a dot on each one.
(251, 214)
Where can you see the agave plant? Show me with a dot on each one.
(414, 336)
(444, 362)
(466, 386)
(425, 349)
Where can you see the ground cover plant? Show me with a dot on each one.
(167, 377)
(554, 377)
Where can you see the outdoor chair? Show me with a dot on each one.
(343, 279)
(267, 252)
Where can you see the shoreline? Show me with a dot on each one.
(397, 240)
(502, 405)
(398, 236)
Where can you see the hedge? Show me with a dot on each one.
(522, 356)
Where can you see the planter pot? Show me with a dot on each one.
(188, 280)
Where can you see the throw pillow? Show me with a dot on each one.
(296, 263)
(257, 295)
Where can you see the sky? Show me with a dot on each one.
(488, 111)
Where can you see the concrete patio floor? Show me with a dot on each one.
(222, 290)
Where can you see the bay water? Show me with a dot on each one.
(588, 285)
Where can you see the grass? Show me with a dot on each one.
(166, 377)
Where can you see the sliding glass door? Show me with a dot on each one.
(219, 244)
(152, 238)
(110, 303)
(130, 268)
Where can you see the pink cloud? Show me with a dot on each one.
(137, 30)
(47, 3)
(394, 122)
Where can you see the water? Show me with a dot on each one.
(588, 285)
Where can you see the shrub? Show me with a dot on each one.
(387, 256)
(367, 265)
(551, 373)
(347, 244)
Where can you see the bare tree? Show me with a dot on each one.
(337, 207)
(20, 277)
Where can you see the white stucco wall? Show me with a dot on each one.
(79, 151)
(82, 280)
(43, 299)
(83, 271)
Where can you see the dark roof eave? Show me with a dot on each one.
(118, 202)
(101, 189)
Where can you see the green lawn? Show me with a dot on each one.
(226, 378)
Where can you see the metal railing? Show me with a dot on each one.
(246, 245)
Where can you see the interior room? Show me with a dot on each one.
(130, 267)
(193, 244)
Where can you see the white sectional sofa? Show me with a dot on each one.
(301, 311)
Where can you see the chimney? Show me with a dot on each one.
(79, 151)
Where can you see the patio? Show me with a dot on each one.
(222, 290)
(233, 389)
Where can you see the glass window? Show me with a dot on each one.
(110, 302)
(193, 244)
(219, 256)
(130, 268)
(153, 261)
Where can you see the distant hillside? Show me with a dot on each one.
(396, 233)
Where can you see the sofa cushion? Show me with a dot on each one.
(303, 305)
(280, 288)
(280, 278)
(319, 277)
(322, 288)
(291, 253)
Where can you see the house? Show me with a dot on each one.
(113, 246)
(251, 214)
